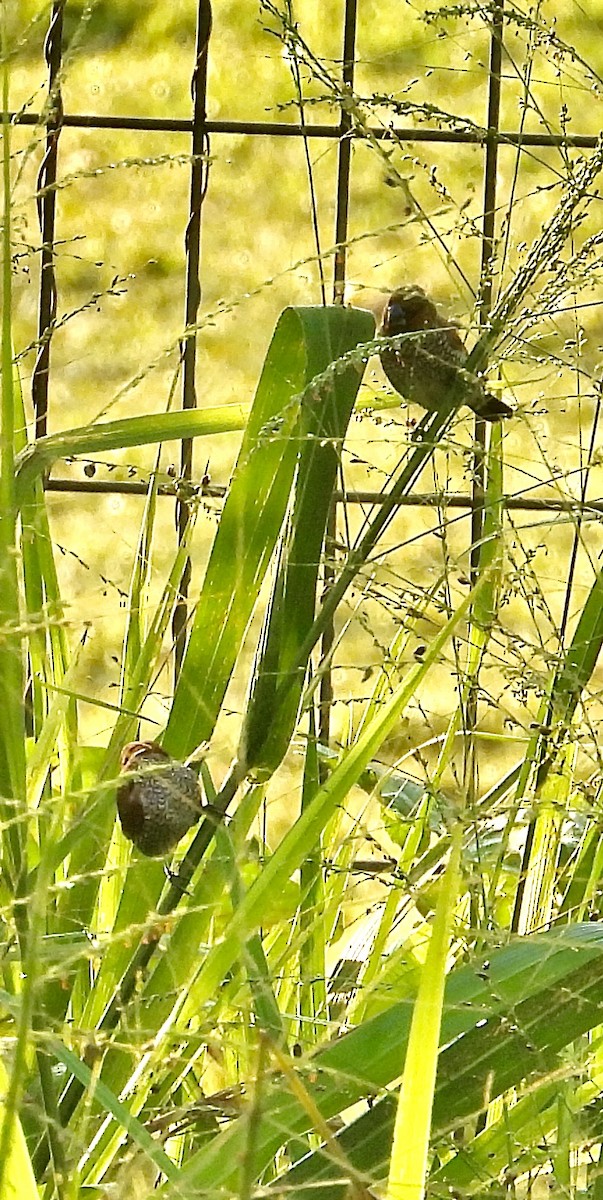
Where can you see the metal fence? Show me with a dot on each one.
(202, 131)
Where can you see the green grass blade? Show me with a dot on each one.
(116, 435)
(249, 527)
(329, 334)
(581, 656)
(124, 1118)
(18, 1178)
(13, 807)
(544, 986)
(491, 548)
(12, 727)
(312, 954)
(539, 983)
(412, 1128)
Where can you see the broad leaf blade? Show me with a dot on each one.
(250, 525)
(329, 334)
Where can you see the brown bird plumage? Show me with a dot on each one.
(429, 366)
(159, 798)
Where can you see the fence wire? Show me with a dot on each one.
(200, 128)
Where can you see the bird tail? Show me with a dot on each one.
(492, 408)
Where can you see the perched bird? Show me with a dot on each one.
(428, 366)
(159, 798)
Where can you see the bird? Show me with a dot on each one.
(158, 800)
(429, 366)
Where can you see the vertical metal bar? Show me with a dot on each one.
(344, 153)
(485, 289)
(46, 216)
(46, 206)
(198, 190)
(484, 306)
(488, 232)
(344, 162)
(491, 163)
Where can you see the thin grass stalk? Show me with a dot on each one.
(541, 877)
(409, 1161)
(312, 960)
(12, 734)
(299, 95)
(412, 1129)
(425, 440)
(19, 1179)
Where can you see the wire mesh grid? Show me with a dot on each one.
(199, 128)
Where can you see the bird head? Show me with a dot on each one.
(142, 754)
(408, 310)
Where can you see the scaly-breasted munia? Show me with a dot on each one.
(429, 366)
(159, 798)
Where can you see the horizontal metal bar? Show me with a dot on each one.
(459, 500)
(285, 129)
(128, 487)
(419, 500)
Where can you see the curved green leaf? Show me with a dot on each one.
(274, 444)
(115, 435)
(268, 728)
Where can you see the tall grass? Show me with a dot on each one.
(355, 974)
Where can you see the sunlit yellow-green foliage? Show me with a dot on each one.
(415, 214)
(136, 1002)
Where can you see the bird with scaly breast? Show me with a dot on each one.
(428, 367)
(159, 798)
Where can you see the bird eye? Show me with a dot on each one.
(396, 315)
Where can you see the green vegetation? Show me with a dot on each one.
(374, 966)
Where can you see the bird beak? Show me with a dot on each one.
(394, 317)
